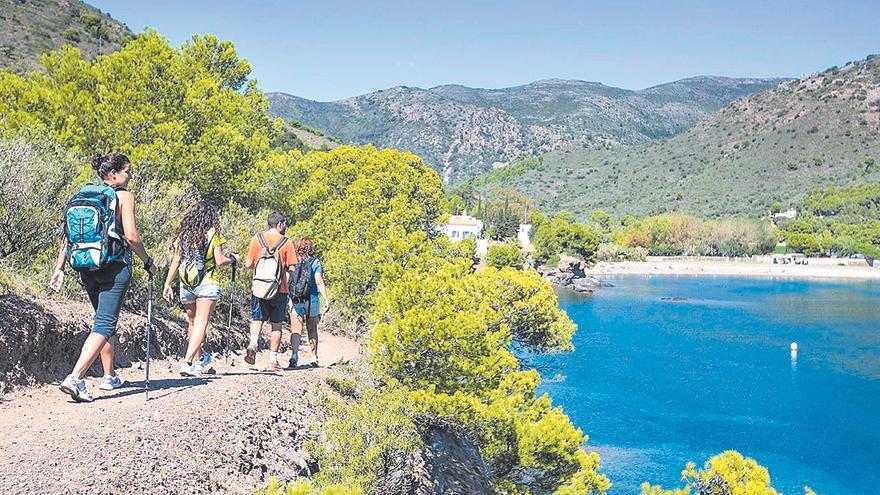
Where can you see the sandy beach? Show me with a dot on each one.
(660, 266)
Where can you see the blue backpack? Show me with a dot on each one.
(92, 228)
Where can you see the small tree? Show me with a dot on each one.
(505, 255)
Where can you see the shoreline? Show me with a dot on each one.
(732, 268)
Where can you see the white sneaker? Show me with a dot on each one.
(190, 369)
(76, 389)
(110, 382)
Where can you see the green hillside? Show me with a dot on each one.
(773, 146)
(32, 27)
(462, 132)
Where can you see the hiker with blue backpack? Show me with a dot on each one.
(306, 284)
(99, 237)
(198, 252)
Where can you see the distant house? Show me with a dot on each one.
(790, 214)
(464, 226)
(524, 235)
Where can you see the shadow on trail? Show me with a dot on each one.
(158, 386)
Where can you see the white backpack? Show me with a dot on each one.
(269, 268)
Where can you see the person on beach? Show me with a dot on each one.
(108, 283)
(198, 252)
(309, 305)
(269, 255)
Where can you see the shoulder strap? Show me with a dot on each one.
(263, 242)
(280, 243)
(209, 253)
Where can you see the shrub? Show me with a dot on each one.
(37, 178)
(505, 255)
(725, 473)
(562, 235)
(71, 34)
(305, 487)
(366, 440)
(343, 386)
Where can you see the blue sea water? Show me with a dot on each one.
(657, 383)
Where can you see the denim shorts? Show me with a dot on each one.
(300, 308)
(272, 310)
(208, 291)
(106, 289)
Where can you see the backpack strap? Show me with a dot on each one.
(280, 243)
(210, 253)
(263, 243)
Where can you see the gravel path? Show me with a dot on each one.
(224, 433)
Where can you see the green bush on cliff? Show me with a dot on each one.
(449, 337)
(725, 473)
(366, 440)
(305, 487)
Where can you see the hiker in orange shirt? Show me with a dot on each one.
(269, 255)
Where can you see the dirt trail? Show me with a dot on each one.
(222, 433)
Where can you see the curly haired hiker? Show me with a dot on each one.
(198, 251)
(306, 283)
(269, 255)
(99, 237)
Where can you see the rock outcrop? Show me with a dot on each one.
(571, 273)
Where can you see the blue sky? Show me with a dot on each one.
(331, 49)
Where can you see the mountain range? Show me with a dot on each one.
(463, 132)
(772, 146)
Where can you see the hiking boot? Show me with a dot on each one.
(191, 370)
(110, 382)
(274, 368)
(251, 355)
(76, 389)
(206, 360)
(293, 363)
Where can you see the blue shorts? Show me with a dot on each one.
(106, 289)
(300, 308)
(210, 291)
(272, 310)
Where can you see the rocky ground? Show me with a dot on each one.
(222, 433)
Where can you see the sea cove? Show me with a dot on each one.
(658, 382)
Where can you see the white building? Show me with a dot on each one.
(464, 226)
(790, 214)
(524, 235)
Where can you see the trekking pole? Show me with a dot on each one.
(149, 329)
(231, 303)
